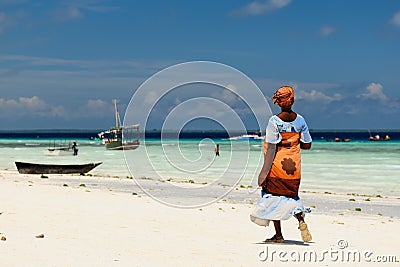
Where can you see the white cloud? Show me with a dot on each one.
(19, 75)
(29, 106)
(326, 30)
(226, 96)
(95, 108)
(151, 98)
(33, 103)
(396, 19)
(316, 96)
(231, 87)
(374, 91)
(258, 8)
(96, 104)
(71, 84)
(35, 107)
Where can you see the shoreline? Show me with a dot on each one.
(318, 201)
(100, 224)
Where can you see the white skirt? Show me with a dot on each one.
(271, 208)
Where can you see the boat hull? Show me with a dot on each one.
(118, 145)
(34, 168)
(377, 139)
(59, 152)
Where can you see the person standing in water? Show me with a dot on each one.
(217, 150)
(287, 133)
(75, 148)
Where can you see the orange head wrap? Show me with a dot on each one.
(284, 96)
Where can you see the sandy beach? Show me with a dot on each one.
(87, 221)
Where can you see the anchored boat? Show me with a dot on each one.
(36, 168)
(121, 137)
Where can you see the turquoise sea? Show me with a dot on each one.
(358, 166)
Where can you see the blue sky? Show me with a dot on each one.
(62, 62)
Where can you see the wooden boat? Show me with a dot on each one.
(121, 137)
(36, 168)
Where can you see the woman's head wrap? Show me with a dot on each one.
(284, 96)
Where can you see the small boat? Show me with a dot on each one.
(121, 137)
(337, 139)
(246, 137)
(36, 168)
(378, 137)
(61, 150)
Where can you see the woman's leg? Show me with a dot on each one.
(277, 238)
(300, 217)
(305, 233)
(278, 229)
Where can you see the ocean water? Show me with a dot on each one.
(359, 166)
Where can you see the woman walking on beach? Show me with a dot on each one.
(280, 176)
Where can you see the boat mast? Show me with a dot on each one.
(369, 133)
(116, 114)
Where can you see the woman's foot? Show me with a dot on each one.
(275, 239)
(305, 233)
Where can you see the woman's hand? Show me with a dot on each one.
(285, 143)
(305, 145)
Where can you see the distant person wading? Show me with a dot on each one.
(217, 150)
(75, 148)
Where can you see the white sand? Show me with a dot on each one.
(92, 227)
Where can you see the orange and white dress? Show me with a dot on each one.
(280, 186)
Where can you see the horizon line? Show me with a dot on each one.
(190, 130)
